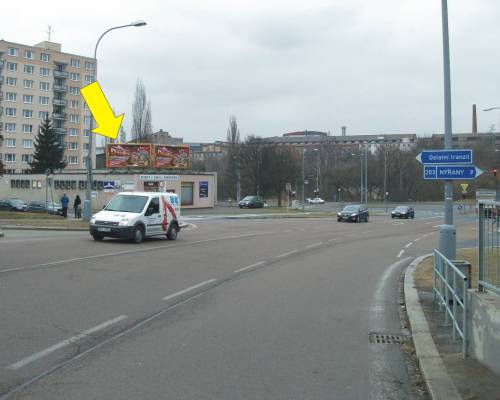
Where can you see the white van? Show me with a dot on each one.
(136, 215)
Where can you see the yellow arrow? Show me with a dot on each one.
(107, 124)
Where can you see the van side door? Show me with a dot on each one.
(153, 217)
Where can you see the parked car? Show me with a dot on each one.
(251, 202)
(39, 206)
(315, 200)
(354, 213)
(403, 212)
(13, 205)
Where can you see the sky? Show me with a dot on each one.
(374, 66)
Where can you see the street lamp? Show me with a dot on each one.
(87, 203)
(303, 174)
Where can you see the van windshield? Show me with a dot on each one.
(128, 203)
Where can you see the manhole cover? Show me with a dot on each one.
(384, 338)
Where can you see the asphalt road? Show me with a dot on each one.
(234, 309)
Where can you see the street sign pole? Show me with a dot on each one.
(447, 236)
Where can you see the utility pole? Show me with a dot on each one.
(385, 176)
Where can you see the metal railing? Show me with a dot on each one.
(450, 287)
(488, 246)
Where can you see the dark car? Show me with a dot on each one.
(354, 213)
(13, 205)
(39, 206)
(251, 202)
(403, 212)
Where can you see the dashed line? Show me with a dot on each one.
(331, 240)
(314, 245)
(408, 245)
(257, 264)
(436, 226)
(180, 292)
(401, 253)
(417, 239)
(287, 254)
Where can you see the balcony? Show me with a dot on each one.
(60, 88)
(61, 131)
(59, 102)
(60, 116)
(59, 74)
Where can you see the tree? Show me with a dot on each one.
(141, 114)
(232, 173)
(49, 152)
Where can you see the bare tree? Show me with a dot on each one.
(233, 133)
(141, 114)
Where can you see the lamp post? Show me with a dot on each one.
(303, 173)
(87, 203)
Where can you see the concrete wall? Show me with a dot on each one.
(484, 329)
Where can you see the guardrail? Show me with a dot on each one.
(488, 246)
(450, 291)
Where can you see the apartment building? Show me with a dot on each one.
(37, 82)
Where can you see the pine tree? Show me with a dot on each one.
(48, 153)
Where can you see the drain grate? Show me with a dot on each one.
(383, 338)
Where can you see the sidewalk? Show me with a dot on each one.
(447, 374)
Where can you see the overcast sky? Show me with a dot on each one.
(374, 66)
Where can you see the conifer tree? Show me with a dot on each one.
(49, 152)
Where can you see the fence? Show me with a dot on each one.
(450, 290)
(488, 246)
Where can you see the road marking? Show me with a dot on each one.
(287, 254)
(57, 346)
(368, 231)
(180, 292)
(331, 240)
(400, 253)
(408, 245)
(314, 245)
(257, 264)
(417, 239)
(436, 226)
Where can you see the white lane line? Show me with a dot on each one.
(257, 264)
(183, 291)
(408, 245)
(331, 240)
(400, 253)
(314, 245)
(287, 254)
(436, 226)
(57, 346)
(417, 239)
(368, 231)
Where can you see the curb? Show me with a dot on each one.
(41, 228)
(437, 380)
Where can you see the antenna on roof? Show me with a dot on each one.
(49, 31)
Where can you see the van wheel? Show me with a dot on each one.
(137, 235)
(97, 238)
(172, 232)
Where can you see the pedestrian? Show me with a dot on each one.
(64, 203)
(77, 205)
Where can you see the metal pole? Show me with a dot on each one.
(447, 239)
(361, 175)
(366, 176)
(385, 176)
(303, 176)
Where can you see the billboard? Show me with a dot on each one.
(170, 156)
(128, 155)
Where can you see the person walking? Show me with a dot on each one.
(77, 206)
(64, 203)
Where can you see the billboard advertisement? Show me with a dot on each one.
(169, 156)
(128, 155)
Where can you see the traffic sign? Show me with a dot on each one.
(452, 172)
(464, 187)
(462, 156)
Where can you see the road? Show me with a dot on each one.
(234, 309)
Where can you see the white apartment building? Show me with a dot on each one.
(37, 82)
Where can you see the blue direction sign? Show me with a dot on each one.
(452, 172)
(438, 157)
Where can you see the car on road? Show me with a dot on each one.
(13, 205)
(39, 206)
(403, 212)
(315, 200)
(251, 202)
(353, 213)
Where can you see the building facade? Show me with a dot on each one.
(37, 82)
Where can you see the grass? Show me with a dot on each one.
(14, 215)
(423, 272)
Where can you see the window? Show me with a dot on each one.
(27, 128)
(44, 86)
(10, 112)
(89, 65)
(73, 160)
(27, 113)
(44, 57)
(9, 142)
(43, 114)
(29, 69)
(75, 63)
(27, 144)
(154, 206)
(29, 54)
(44, 101)
(28, 98)
(10, 96)
(86, 119)
(86, 132)
(74, 104)
(44, 71)
(86, 146)
(13, 51)
(26, 158)
(74, 118)
(73, 132)
(11, 66)
(85, 106)
(73, 90)
(89, 78)
(28, 84)
(73, 146)
(74, 76)
(10, 81)
(187, 193)
(10, 158)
